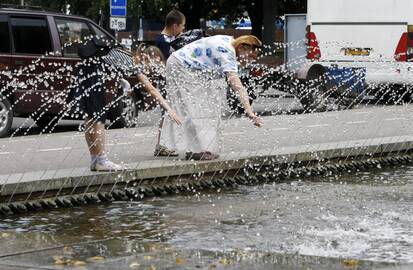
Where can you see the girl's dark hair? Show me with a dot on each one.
(174, 17)
(151, 51)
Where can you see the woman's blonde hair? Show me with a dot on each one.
(148, 50)
(249, 40)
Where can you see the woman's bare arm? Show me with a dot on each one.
(236, 85)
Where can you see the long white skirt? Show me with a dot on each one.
(197, 99)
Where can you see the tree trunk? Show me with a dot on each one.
(255, 12)
(192, 11)
(270, 15)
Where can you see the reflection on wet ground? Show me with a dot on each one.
(367, 216)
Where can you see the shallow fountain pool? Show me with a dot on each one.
(363, 216)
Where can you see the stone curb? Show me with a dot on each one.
(157, 169)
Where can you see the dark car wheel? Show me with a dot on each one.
(394, 94)
(124, 113)
(6, 117)
(47, 123)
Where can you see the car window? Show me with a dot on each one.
(99, 32)
(71, 33)
(4, 34)
(31, 35)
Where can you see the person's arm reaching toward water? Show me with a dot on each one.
(236, 85)
(148, 87)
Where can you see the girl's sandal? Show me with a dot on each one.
(201, 156)
(162, 151)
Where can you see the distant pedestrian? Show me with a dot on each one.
(174, 26)
(190, 74)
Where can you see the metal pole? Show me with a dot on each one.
(140, 31)
(22, 2)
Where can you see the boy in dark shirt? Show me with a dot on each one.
(174, 26)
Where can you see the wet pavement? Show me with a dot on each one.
(125, 146)
(358, 221)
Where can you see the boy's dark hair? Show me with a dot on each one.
(174, 17)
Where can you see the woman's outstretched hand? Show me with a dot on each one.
(172, 114)
(257, 121)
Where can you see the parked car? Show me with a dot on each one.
(37, 54)
(370, 39)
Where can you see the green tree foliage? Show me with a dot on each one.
(98, 10)
(78, 7)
